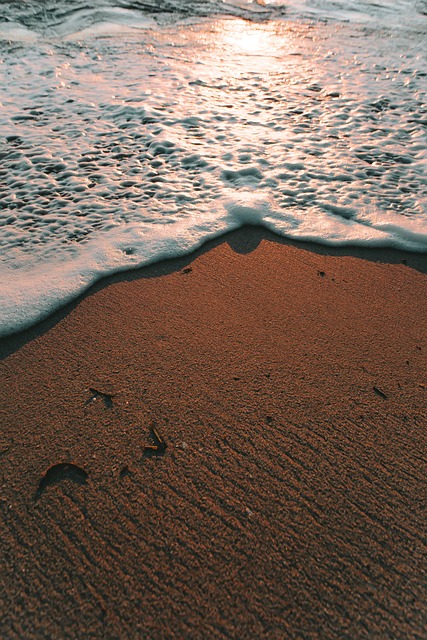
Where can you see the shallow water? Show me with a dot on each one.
(122, 145)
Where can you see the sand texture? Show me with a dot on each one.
(282, 493)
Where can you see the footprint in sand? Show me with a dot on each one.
(59, 472)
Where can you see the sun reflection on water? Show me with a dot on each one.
(251, 39)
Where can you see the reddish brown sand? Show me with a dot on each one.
(289, 384)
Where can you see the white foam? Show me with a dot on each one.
(27, 295)
(16, 32)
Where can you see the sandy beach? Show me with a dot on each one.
(228, 445)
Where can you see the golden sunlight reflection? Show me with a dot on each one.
(250, 39)
(259, 47)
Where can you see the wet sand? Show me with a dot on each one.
(282, 491)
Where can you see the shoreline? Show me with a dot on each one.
(244, 239)
(288, 383)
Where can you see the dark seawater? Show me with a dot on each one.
(49, 14)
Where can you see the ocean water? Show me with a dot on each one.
(135, 131)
